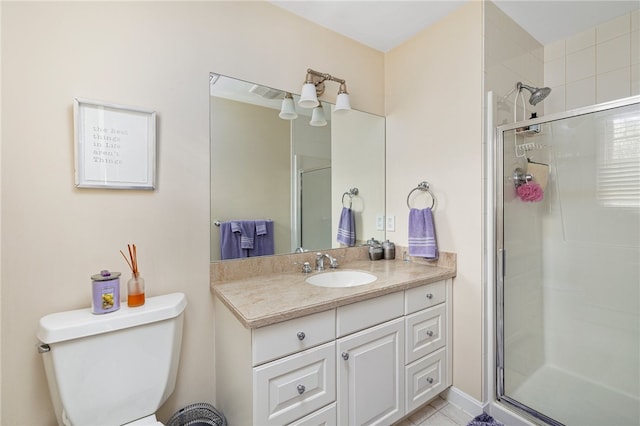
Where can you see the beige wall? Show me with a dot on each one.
(151, 54)
(434, 133)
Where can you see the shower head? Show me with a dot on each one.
(537, 95)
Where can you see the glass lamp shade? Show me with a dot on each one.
(308, 98)
(317, 117)
(288, 110)
(342, 103)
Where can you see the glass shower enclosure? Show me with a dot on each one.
(568, 266)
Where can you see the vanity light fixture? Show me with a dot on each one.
(314, 87)
(317, 117)
(288, 110)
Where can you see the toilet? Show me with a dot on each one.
(116, 368)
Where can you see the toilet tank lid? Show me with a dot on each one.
(69, 325)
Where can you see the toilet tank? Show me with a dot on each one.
(114, 368)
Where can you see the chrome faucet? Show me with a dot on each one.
(333, 262)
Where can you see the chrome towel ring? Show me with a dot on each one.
(422, 186)
(351, 193)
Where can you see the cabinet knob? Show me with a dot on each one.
(345, 355)
(429, 333)
(301, 389)
(429, 296)
(301, 335)
(430, 380)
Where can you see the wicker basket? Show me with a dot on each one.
(200, 414)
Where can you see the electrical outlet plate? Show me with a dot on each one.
(391, 223)
(380, 222)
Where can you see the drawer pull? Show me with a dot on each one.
(301, 335)
(429, 296)
(429, 333)
(345, 355)
(301, 388)
(430, 380)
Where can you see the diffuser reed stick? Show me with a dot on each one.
(133, 264)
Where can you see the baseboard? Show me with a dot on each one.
(464, 401)
(474, 407)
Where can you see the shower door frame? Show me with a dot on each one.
(498, 261)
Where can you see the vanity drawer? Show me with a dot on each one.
(424, 296)
(425, 379)
(293, 387)
(324, 417)
(360, 315)
(287, 337)
(425, 332)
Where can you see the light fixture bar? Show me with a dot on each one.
(314, 86)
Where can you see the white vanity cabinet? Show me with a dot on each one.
(427, 336)
(370, 362)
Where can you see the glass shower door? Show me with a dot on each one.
(315, 208)
(569, 278)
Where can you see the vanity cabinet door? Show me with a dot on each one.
(371, 375)
(293, 387)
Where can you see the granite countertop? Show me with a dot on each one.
(271, 298)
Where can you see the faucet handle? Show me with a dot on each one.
(334, 263)
(306, 268)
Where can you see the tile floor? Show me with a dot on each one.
(438, 413)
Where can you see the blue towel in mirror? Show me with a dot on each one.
(230, 242)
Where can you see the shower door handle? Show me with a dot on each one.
(502, 260)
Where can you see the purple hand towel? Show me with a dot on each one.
(230, 243)
(247, 230)
(347, 227)
(422, 234)
(263, 244)
(261, 227)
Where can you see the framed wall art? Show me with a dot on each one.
(115, 146)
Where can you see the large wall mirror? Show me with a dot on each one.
(295, 176)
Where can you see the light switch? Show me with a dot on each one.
(391, 223)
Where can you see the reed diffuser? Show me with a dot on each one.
(135, 285)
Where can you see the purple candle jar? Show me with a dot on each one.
(106, 292)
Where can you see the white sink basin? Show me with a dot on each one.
(341, 279)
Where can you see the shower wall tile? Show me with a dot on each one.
(613, 85)
(555, 50)
(613, 28)
(602, 63)
(581, 93)
(581, 41)
(581, 64)
(613, 54)
(635, 47)
(556, 101)
(554, 73)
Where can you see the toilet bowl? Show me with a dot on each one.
(116, 368)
